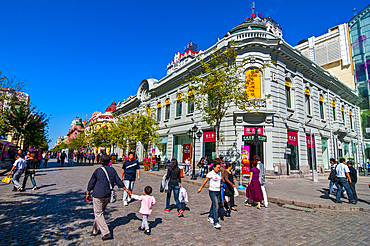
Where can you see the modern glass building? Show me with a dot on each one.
(359, 31)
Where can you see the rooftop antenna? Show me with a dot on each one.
(354, 11)
(253, 7)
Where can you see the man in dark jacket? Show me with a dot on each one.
(101, 194)
(353, 175)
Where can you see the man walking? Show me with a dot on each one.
(343, 180)
(99, 184)
(353, 175)
(261, 167)
(129, 170)
(62, 158)
(333, 165)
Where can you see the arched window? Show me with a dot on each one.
(288, 97)
(253, 83)
(159, 111)
(321, 102)
(350, 119)
(343, 117)
(307, 100)
(178, 105)
(167, 114)
(191, 102)
(334, 113)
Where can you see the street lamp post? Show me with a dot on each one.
(194, 133)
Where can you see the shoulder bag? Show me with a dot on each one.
(113, 197)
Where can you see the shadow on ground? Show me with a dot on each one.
(44, 218)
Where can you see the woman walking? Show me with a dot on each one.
(173, 175)
(254, 191)
(30, 172)
(187, 166)
(214, 193)
(229, 189)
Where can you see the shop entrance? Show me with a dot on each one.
(253, 150)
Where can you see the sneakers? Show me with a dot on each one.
(217, 226)
(210, 220)
(19, 188)
(181, 213)
(125, 203)
(129, 199)
(34, 188)
(328, 194)
(141, 229)
(147, 232)
(166, 210)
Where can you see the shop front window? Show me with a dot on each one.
(180, 143)
(325, 153)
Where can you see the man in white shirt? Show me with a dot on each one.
(343, 180)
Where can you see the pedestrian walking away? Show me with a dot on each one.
(261, 167)
(18, 168)
(147, 201)
(353, 176)
(254, 190)
(333, 165)
(63, 156)
(174, 184)
(214, 193)
(30, 172)
(130, 168)
(101, 192)
(343, 180)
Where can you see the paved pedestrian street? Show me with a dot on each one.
(57, 213)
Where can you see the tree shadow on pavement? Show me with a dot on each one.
(44, 219)
(122, 221)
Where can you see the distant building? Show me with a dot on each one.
(77, 127)
(332, 51)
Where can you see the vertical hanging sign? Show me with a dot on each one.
(245, 162)
(253, 83)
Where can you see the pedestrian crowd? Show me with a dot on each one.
(26, 164)
(222, 190)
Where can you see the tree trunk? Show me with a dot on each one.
(218, 138)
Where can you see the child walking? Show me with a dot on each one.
(147, 201)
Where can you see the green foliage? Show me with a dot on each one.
(100, 138)
(222, 85)
(59, 147)
(78, 142)
(25, 122)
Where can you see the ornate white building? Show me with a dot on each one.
(309, 116)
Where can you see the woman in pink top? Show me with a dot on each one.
(147, 202)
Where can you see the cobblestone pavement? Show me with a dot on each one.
(57, 213)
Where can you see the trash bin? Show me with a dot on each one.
(181, 172)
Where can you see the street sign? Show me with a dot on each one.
(249, 138)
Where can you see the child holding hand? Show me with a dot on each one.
(147, 201)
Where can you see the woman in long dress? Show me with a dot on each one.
(254, 191)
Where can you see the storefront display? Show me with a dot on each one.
(293, 146)
(209, 145)
(180, 141)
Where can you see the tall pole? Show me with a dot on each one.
(193, 176)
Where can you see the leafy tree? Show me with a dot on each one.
(78, 142)
(59, 147)
(100, 138)
(221, 85)
(26, 123)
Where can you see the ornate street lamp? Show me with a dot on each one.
(194, 133)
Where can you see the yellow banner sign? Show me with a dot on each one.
(253, 83)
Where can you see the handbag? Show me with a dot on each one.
(113, 197)
(236, 192)
(6, 179)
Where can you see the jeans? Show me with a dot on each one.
(187, 169)
(130, 186)
(176, 191)
(201, 171)
(342, 182)
(16, 176)
(32, 176)
(331, 185)
(213, 212)
(353, 189)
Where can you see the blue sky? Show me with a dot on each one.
(80, 56)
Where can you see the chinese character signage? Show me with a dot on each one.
(308, 140)
(209, 137)
(292, 138)
(186, 151)
(251, 130)
(245, 164)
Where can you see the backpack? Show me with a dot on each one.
(333, 175)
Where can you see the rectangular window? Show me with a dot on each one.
(322, 110)
(167, 112)
(350, 121)
(288, 99)
(343, 119)
(178, 108)
(159, 112)
(308, 104)
(190, 107)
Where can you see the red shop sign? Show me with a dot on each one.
(209, 137)
(308, 141)
(250, 130)
(292, 138)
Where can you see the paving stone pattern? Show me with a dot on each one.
(57, 214)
